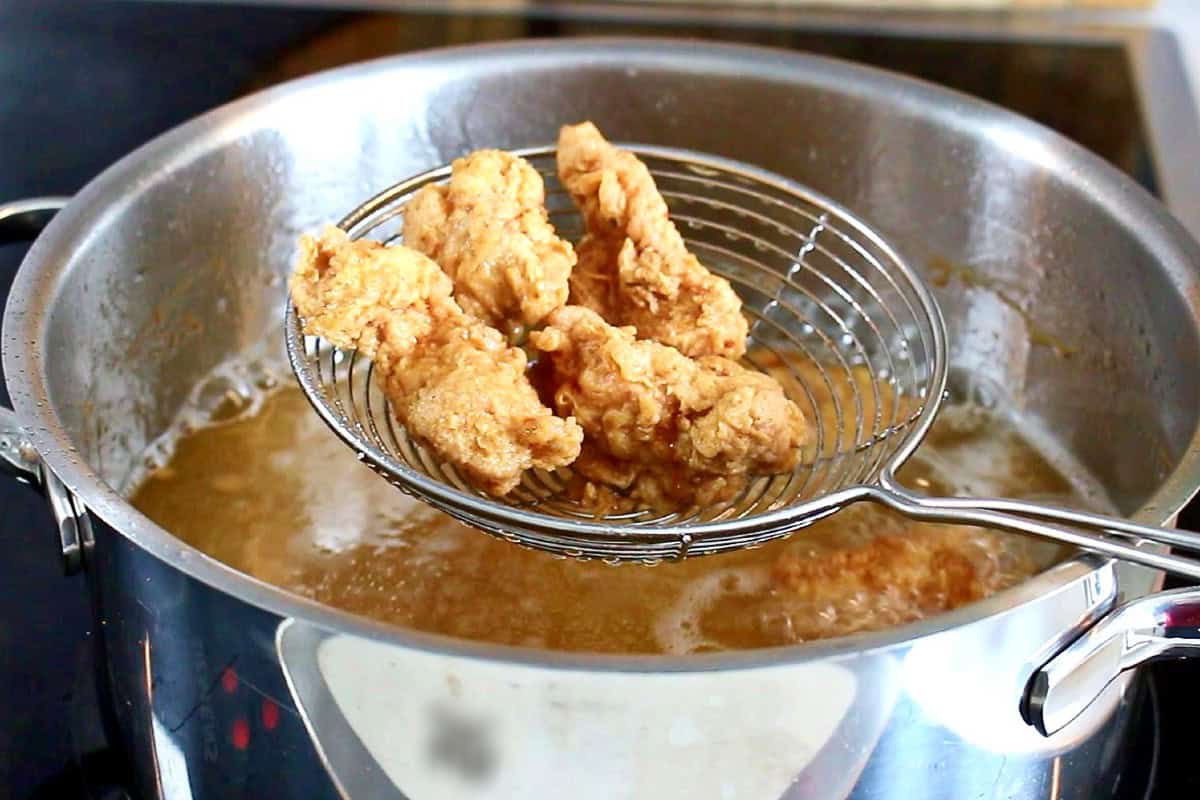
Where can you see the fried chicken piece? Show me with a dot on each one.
(489, 230)
(903, 572)
(453, 381)
(673, 428)
(634, 268)
(380, 301)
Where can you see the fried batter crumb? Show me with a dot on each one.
(453, 381)
(634, 268)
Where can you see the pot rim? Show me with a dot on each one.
(44, 270)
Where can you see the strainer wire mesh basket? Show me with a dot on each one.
(835, 315)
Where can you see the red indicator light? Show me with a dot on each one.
(240, 734)
(229, 680)
(1186, 615)
(270, 714)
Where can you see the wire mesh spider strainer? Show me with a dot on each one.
(836, 315)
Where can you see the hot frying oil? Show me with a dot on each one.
(285, 501)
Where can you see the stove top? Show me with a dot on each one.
(86, 83)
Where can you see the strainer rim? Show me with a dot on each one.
(449, 498)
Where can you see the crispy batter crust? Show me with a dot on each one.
(634, 268)
(453, 381)
(489, 230)
(681, 429)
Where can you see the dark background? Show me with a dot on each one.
(81, 84)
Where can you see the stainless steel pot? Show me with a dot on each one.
(171, 261)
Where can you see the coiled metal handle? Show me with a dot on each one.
(1016, 516)
(850, 328)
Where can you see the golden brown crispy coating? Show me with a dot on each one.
(361, 295)
(679, 430)
(453, 381)
(489, 230)
(634, 268)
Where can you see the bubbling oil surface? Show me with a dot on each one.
(284, 500)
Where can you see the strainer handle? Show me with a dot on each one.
(1186, 540)
(1042, 520)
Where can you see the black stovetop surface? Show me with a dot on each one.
(84, 83)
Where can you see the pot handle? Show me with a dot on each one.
(23, 220)
(20, 460)
(1160, 626)
(17, 456)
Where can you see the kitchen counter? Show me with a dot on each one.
(1145, 33)
(1180, 17)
